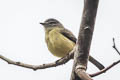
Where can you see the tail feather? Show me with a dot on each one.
(96, 63)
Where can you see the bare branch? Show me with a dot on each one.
(114, 46)
(105, 69)
(109, 67)
(84, 41)
(82, 74)
(43, 66)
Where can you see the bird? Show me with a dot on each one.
(61, 41)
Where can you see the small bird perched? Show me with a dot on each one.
(60, 41)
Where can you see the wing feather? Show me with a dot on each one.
(68, 34)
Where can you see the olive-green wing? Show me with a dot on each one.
(68, 34)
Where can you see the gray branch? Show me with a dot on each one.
(84, 41)
(43, 66)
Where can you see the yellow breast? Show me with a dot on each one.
(58, 44)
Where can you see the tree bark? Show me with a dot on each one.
(84, 41)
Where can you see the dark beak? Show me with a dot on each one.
(42, 23)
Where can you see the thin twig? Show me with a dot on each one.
(105, 69)
(109, 67)
(43, 66)
(114, 46)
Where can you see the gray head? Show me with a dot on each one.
(51, 23)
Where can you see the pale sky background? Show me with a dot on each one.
(22, 37)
